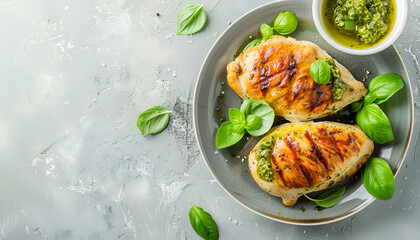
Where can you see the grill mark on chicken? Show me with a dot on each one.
(315, 101)
(353, 139)
(283, 68)
(336, 149)
(294, 148)
(276, 165)
(317, 153)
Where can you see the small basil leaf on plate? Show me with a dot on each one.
(374, 123)
(320, 72)
(261, 109)
(153, 120)
(384, 86)
(228, 134)
(266, 30)
(253, 43)
(356, 106)
(285, 23)
(191, 19)
(378, 179)
(329, 198)
(203, 223)
(236, 116)
(253, 122)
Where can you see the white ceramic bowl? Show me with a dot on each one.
(400, 18)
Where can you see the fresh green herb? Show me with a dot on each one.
(261, 109)
(236, 117)
(378, 179)
(285, 23)
(203, 224)
(229, 133)
(320, 72)
(382, 87)
(191, 19)
(253, 43)
(153, 120)
(253, 122)
(263, 155)
(339, 87)
(373, 121)
(266, 31)
(255, 116)
(356, 106)
(349, 25)
(329, 198)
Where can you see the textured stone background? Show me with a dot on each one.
(74, 77)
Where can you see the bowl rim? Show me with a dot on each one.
(272, 217)
(388, 41)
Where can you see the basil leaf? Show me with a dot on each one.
(153, 120)
(356, 106)
(253, 122)
(236, 117)
(320, 72)
(378, 179)
(373, 121)
(191, 19)
(285, 23)
(329, 198)
(261, 109)
(266, 30)
(253, 43)
(203, 224)
(369, 98)
(229, 134)
(382, 87)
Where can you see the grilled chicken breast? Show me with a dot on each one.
(277, 72)
(307, 157)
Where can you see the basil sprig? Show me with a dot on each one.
(153, 120)
(329, 198)
(266, 31)
(262, 110)
(377, 176)
(256, 117)
(378, 179)
(203, 224)
(382, 87)
(191, 19)
(320, 72)
(373, 121)
(286, 23)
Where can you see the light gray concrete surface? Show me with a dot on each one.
(74, 77)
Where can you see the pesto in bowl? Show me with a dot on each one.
(358, 23)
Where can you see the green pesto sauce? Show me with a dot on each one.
(263, 156)
(339, 87)
(360, 23)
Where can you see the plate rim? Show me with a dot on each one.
(278, 218)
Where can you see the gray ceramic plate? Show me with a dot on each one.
(233, 175)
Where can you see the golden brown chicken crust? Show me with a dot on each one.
(311, 156)
(298, 166)
(278, 73)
